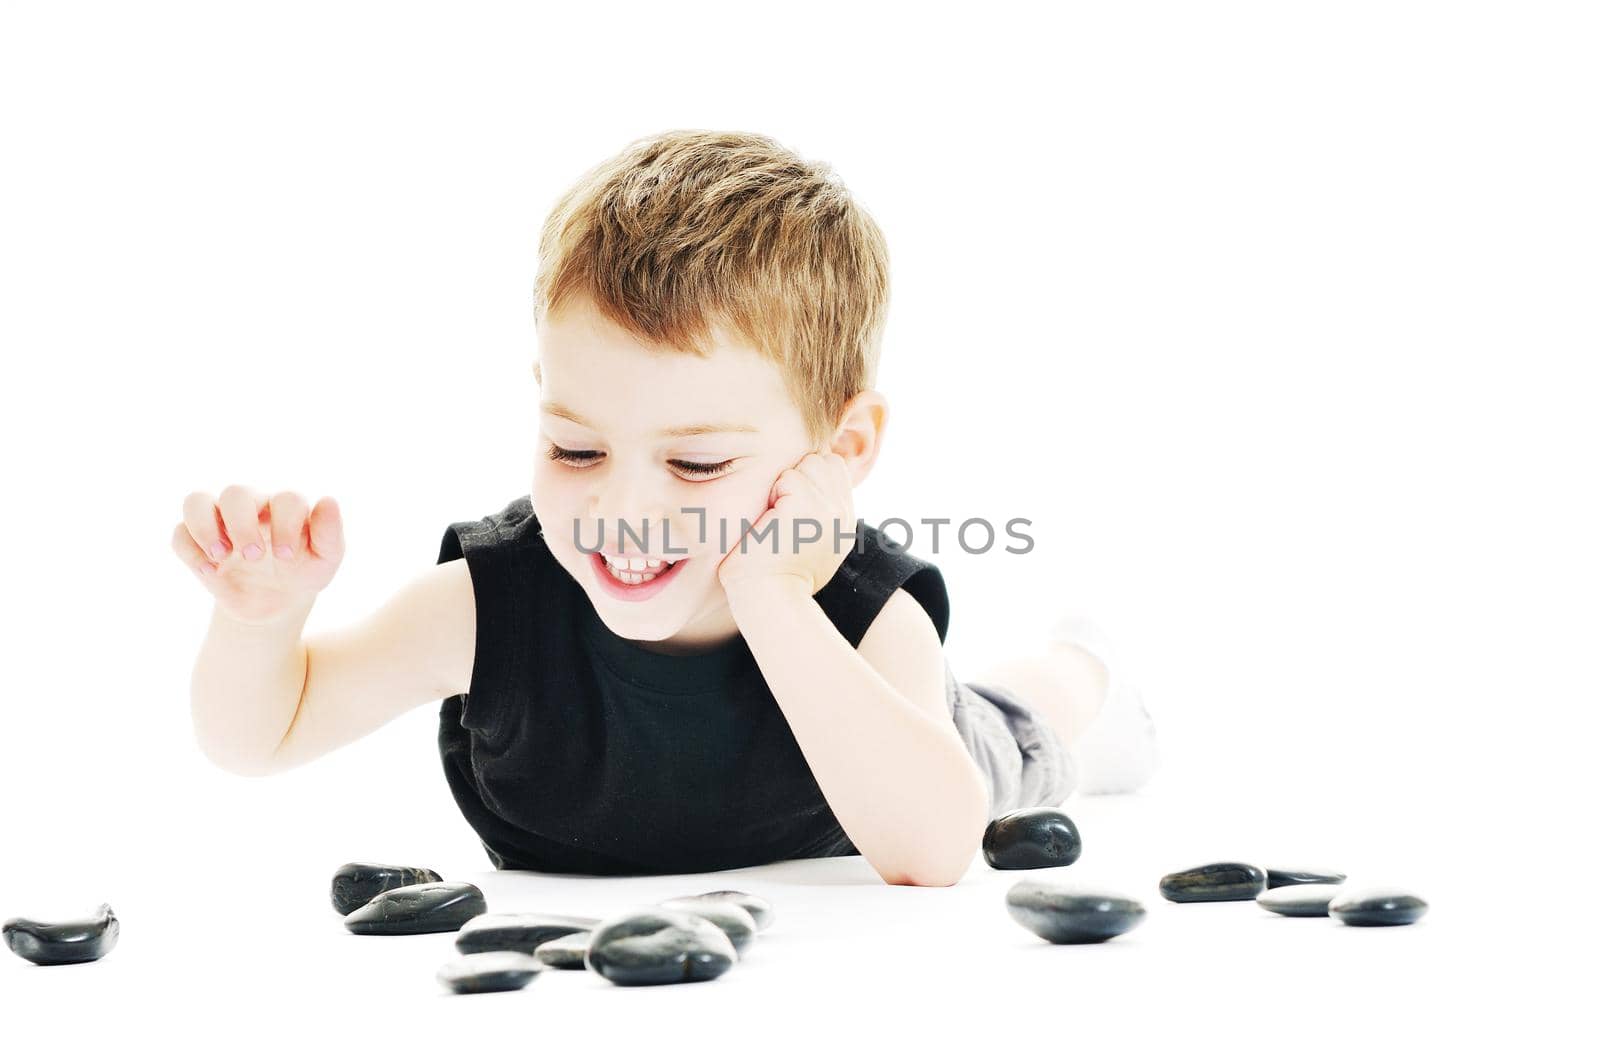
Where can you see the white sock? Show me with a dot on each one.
(1117, 752)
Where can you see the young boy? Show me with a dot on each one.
(681, 651)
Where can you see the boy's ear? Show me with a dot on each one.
(859, 436)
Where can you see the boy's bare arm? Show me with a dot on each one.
(341, 685)
(263, 697)
(245, 688)
(874, 727)
(417, 648)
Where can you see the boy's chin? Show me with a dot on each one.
(636, 628)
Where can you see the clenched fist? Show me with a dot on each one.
(260, 557)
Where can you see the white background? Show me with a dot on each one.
(1277, 320)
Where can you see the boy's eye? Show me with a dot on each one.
(582, 459)
(697, 470)
(576, 458)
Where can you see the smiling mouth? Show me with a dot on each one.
(619, 579)
(635, 571)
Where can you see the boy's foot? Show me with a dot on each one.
(1116, 752)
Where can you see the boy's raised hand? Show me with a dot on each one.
(259, 556)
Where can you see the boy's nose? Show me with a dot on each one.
(646, 526)
(642, 537)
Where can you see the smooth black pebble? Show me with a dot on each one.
(1214, 882)
(1030, 838)
(489, 972)
(424, 908)
(760, 908)
(356, 884)
(1377, 906)
(1305, 898)
(659, 946)
(1070, 915)
(730, 918)
(76, 941)
(565, 953)
(518, 932)
(1278, 876)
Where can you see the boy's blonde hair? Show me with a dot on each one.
(692, 228)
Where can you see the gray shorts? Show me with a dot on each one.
(1023, 759)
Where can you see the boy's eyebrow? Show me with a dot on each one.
(558, 410)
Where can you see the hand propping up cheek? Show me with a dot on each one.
(804, 503)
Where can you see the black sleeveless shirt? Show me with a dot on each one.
(577, 751)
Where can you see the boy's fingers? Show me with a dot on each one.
(204, 522)
(242, 510)
(188, 550)
(787, 483)
(288, 513)
(326, 529)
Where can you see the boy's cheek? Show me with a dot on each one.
(728, 518)
(721, 532)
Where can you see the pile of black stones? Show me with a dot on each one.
(681, 939)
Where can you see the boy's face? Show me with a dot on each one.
(619, 416)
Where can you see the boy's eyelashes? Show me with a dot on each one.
(582, 459)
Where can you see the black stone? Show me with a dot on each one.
(423, 908)
(659, 946)
(1304, 898)
(760, 908)
(1070, 915)
(565, 952)
(75, 941)
(518, 932)
(1030, 838)
(489, 972)
(730, 918)
(1377, 906)
(356, 884)
(1214, 882)
(1277, 876)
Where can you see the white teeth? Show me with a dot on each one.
(634, 564)
(632, 570)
